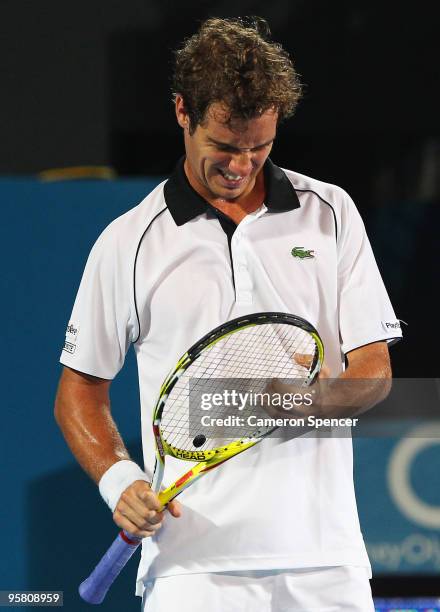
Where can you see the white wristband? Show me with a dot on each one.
(117, 478)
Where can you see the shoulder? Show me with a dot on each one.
(311, 191)
(326, 193)
(124, 233)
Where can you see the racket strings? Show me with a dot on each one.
(244, 362)
(218, 366)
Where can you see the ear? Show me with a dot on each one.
(181, 114)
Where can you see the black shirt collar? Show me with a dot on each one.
(184, 203)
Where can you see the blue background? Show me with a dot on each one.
(47, 502)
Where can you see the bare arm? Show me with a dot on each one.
(369, 361)
(365, 382)
(82, 410)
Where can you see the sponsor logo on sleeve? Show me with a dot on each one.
(69, 347)
(72, 332)
(391, 326)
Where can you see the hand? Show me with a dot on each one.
(278, 387)
(325, 371)
(139, 511)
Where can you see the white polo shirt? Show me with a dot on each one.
(164, 274)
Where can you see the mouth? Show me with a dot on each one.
(231, 180)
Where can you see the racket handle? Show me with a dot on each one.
(95, 587)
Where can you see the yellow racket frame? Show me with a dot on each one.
(206, 460)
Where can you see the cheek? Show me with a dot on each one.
(259, 161)
(212, 162)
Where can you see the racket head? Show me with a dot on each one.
(257, 346)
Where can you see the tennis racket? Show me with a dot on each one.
(248, 351)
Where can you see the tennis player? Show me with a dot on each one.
(230, 233)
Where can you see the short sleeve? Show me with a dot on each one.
(99, 330)
(365, 311)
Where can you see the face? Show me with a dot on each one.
(223, 162)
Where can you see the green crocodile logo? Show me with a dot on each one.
(301, 253)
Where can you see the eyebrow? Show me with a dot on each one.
(229, 146)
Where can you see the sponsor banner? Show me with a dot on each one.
(398, 497)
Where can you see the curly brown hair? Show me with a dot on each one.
(234, 62)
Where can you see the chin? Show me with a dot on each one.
(229, 194)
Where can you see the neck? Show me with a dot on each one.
(237, 211)
(239, 208)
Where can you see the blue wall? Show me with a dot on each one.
(46, 234)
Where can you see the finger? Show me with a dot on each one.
(140, 496)
(124, 523)
(144, 519)
(148, 498)
(175, 508)
(303, 359)
(325, 371)
(142, 502)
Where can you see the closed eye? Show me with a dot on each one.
(229, 149)
(226, 149)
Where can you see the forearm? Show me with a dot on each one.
(82, 410)
(365, 383)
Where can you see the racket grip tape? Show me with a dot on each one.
(94, 588)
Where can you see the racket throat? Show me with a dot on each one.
(158, 474)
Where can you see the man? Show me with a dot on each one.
(228, 234)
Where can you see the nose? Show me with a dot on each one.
(241, 163)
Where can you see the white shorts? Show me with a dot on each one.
(323, 589)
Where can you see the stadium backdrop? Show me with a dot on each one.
(46, 234)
